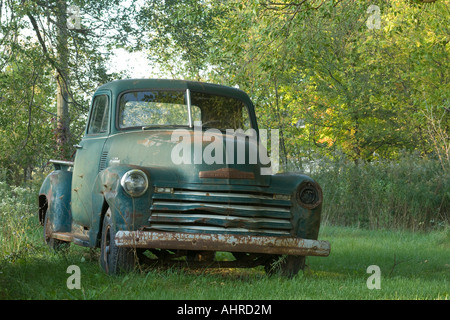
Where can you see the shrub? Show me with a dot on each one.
(411, 193)
(18, 223)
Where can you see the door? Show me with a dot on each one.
(87, 159)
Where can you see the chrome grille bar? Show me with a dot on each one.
(219, 220)
(208, 229)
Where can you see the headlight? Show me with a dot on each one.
(309, 195)
(134, 182)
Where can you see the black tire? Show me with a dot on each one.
(286, 266)
(54, 244)
(114, 260)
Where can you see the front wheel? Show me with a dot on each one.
(287, 266)
(113, 259)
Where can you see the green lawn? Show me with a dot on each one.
(412, 265)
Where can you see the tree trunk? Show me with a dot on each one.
(62, 99)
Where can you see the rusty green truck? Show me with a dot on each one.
(171, 168)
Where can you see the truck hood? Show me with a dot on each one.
(194, 156)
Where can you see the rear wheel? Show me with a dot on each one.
(114, 260)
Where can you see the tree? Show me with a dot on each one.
(319, 73)
(73, 39)
(26, 133)
(178, 34)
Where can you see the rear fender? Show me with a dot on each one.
(54, 200)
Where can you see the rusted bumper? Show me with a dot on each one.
(222, 242)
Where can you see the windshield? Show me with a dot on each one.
(170, 108)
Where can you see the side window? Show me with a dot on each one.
(100, 115)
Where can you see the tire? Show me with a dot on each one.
(114, 260)
(54, 244)
(286, 266)
(202, 256)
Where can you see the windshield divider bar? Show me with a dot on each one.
(188, 98)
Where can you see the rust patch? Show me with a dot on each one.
(227, 173)
(149, 142)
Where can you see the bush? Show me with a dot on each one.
(18, 221)
(411, 193)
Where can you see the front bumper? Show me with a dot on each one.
(222, 242)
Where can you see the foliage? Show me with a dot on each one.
(177, 34)
(350, 101)
(385, 194)
(26, 132)
(18, 210)
(347, 99)
(318, 73)
(313, 68)
(39, 53)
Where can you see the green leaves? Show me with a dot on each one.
(36, 43)
(361, 88)
(355, 90)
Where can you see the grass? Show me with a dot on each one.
(413, 266)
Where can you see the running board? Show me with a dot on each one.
(70, 237)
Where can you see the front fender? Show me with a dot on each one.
(128, 213)
(54, 200)
(305, 220)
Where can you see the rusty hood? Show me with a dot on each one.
(192, 156)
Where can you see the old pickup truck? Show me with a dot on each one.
(171, 171)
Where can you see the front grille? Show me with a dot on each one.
(220, 212)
